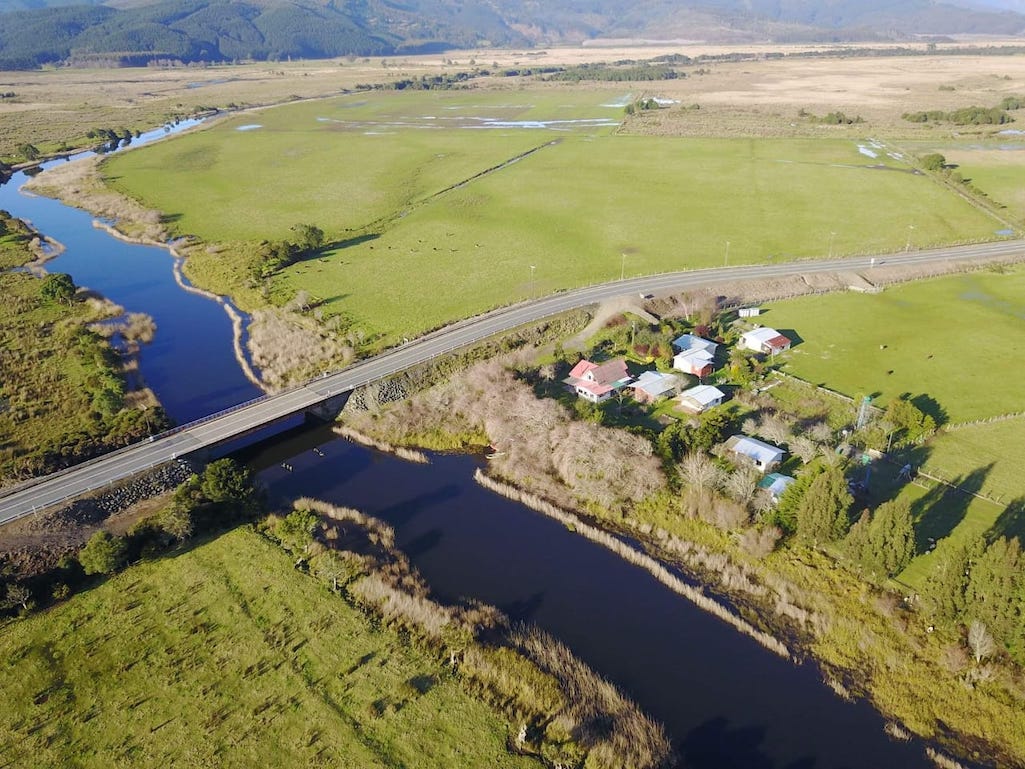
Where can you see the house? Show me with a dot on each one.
(597, 382)
(696, 356)
(764, 455)
(697, 399)
(775, 484)
(654, 385)
(765, 340)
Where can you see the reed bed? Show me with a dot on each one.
(402, 452)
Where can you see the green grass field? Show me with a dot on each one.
(572, 209)
(995, 167)
(959, 340)
(226, 656)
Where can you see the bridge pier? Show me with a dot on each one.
(328, 410)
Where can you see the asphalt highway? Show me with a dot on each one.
(41, 493)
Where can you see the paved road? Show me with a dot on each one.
(43, 492)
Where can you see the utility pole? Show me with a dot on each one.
(726, 259)
(622, 267)
(831, 236)
(907, 246)
(532, 267)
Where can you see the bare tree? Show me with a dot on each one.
(980, 641)
(740, 485)
(774, 429)
(700, 473)
(820, 432)
(803, 448)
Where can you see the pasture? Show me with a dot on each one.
(227, 656)
(958, 340)
(412, 190)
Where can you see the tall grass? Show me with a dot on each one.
(569, 715)
(410, 455)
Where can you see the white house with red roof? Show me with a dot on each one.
(598, 382)
(765, 340)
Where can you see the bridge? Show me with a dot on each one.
(44, 492)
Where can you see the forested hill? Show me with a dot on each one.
(36, 32)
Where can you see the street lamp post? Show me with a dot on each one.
(622, 267)
(532, 268)
(907, 246)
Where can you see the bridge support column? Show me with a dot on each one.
(328, 411)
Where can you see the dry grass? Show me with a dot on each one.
(410, 455)
(287, 349)
(79, 184)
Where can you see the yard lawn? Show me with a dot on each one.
(226, 656)
(572, 209)
(958, 340)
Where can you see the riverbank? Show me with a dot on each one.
(867, 642)
(66, 394)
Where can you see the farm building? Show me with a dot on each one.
(775, 484)
(598, 382)
(697, 399)
(654, 385)
(764, 455)
(765, 340)
(696, 356)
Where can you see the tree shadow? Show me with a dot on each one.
(715, 745)
(942, 508)
(1010, 523)
(337, 245)
(522, 610)
(929, 405)
(403, 512)
(422, 544)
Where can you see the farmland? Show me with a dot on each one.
(911, 339)
(226, 656)
(375, 171)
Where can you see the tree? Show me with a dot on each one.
(226, 481)
(980, 641)
(309, 238)
(103, 553)
(58, 287)
(913, 425)
(18, 595)
(995, 593)
(892, 536)
(945, 589)
(296, 529)
(28, 151)
(883, 542)
(822, 513)
(934, 161)
(176, 520)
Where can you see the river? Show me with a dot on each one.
(727, 702)
(189, 364)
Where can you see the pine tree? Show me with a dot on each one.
(822, 516)
(946, 587)
(858, 546)
(996, 588)
(892, 537)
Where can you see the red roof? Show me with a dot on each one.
(608, 373)
(779, 342)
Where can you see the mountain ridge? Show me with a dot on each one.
(38, 32)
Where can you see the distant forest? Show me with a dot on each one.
(35, 33)
(217, 30)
